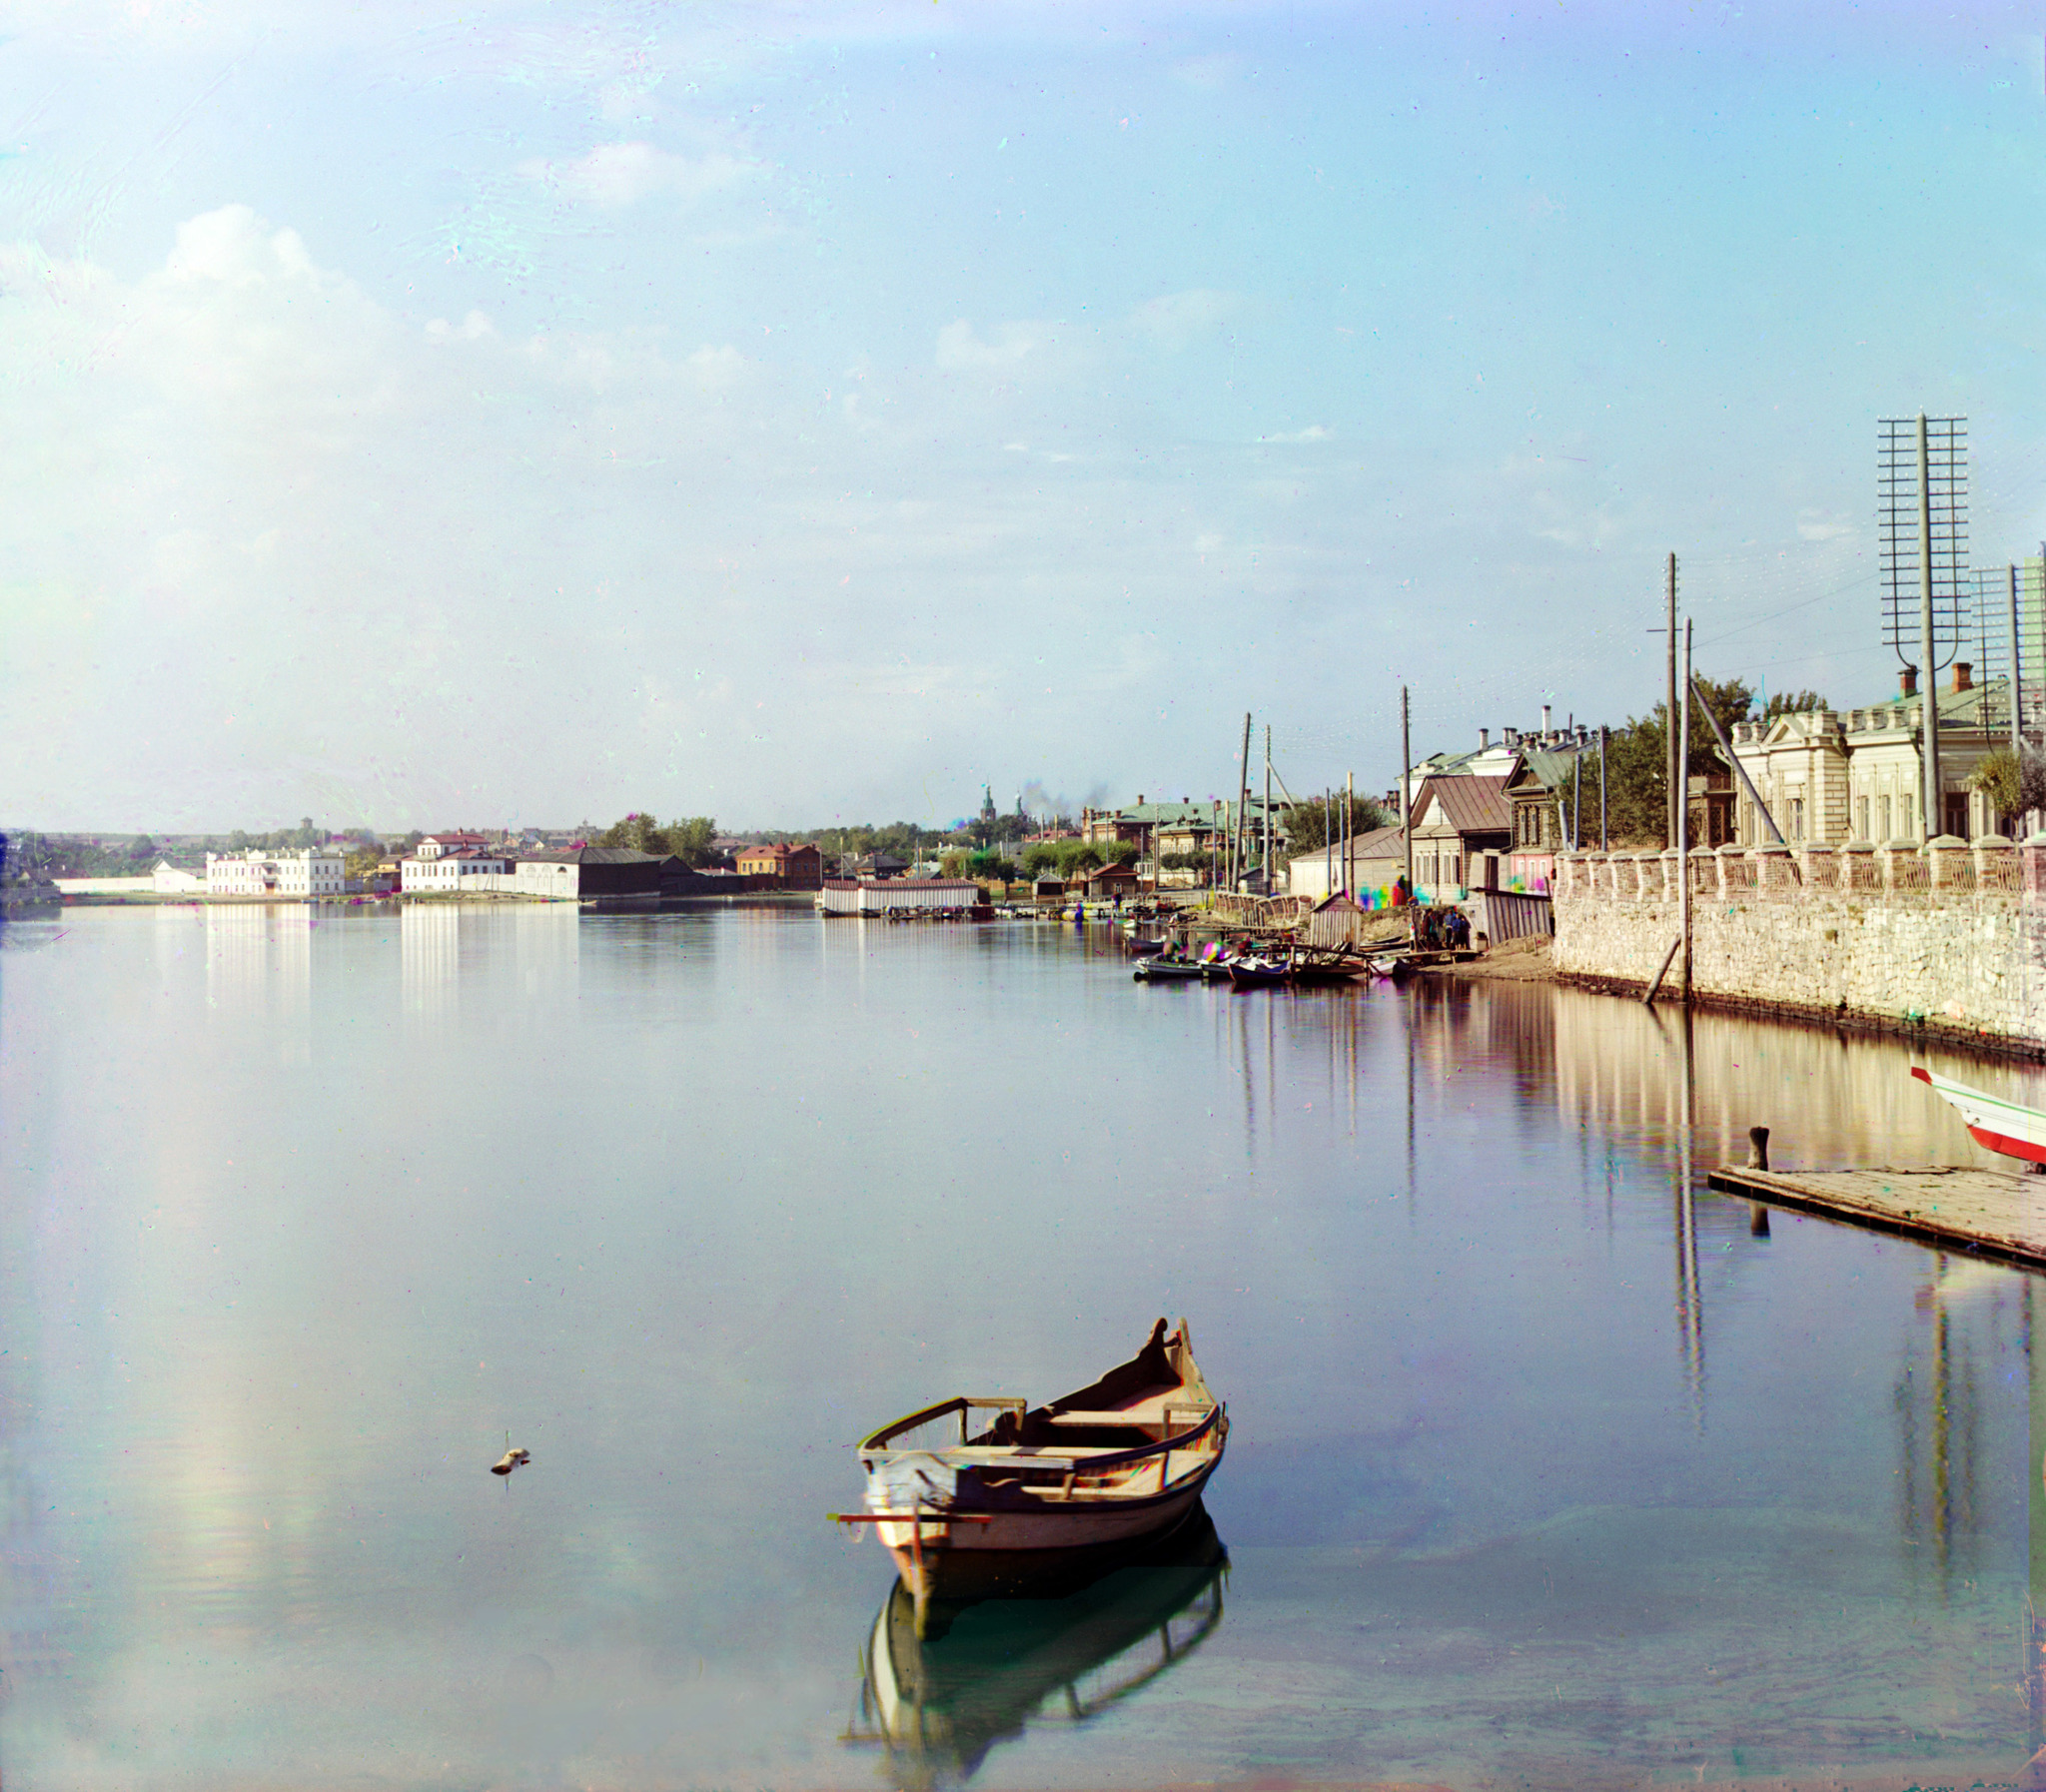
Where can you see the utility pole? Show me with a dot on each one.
(1268, 808)
(1577, 800)
(1328, 840)
(1670, 713)
(1243, 790)
(1683, 816)
(1406, 792)
(1604, 844)
(1349, 827)
(1934, 786)
(2017, 738)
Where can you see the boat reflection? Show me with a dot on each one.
(937, 1706)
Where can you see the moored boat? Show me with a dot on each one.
(1168, 970)
(1044, 1490)
(1993, 1123)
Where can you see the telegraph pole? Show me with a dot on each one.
(1684, 820)
(1671, 772)
(1934, 787)
(1604, 844)
(2017, 738)
(1349, 827)
(1406, 791)
(1243, 791)
(1268, 808)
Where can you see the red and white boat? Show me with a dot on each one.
(1993, 1123)
(1048, 1494)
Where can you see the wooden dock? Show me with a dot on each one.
(1989, 1211)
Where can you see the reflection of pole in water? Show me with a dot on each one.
(1937, 1495)
(1690, 1312)
(2034, 1631)
(1407, 1011)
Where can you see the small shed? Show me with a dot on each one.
(1111, 880)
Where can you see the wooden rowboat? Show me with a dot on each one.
(1993, 1123)
(1043, 1491)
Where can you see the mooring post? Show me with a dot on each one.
(1757, 1148)
(1758, 1220)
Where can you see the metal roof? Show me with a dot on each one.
(1469, 805)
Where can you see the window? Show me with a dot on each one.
(1797, 818)
(1861, 818)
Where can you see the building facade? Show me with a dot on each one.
(303, 872)
(1830, 776)
(789, 867)
(447, 872)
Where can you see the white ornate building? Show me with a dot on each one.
(1829, 776)
(302, 872)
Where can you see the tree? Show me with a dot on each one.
(1307, 823)
(2015, 782)
(1636, 775)
(1792, 702)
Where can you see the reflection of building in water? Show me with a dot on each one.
(1830, 1099)
(258, 958)
(541, 941)
(938, 1705)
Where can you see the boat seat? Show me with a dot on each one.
(1150, 1409)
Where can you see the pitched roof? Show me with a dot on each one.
(1469, 805)
(586, 855)
(1380, 843)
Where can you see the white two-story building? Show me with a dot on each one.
(296, 873)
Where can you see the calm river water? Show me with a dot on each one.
(1545, 1471)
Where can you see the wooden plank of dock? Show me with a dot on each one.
(1990, 1212)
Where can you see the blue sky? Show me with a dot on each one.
(533, 413)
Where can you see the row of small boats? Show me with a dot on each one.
(1262, 965)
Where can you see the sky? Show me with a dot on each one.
(523, 414)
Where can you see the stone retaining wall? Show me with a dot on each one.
(1951, 937)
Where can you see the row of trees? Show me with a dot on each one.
(1636, 762)
(687, 839)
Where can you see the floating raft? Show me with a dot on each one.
(1990, 1212)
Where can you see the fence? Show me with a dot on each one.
(1946, 868)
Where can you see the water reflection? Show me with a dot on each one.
(533, 946)
(258, 958)
(935, 1707)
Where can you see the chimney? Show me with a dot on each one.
(1547, 724)
(1512, 739)
(1909, 679)
(1483, 738)
(1964, 676)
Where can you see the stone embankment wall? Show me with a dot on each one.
(1950, 938)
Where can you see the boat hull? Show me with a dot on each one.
(1034, 1554)
(2007, 1128)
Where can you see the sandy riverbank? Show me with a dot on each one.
(1517, 961)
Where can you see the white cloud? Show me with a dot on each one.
(1818, 525)
(1312, 433)
(1178, 320)
(962, 350)
(613, 175)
